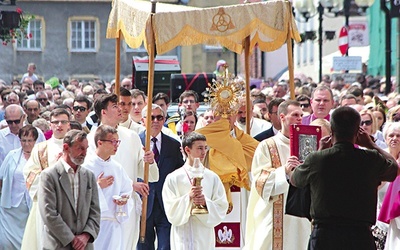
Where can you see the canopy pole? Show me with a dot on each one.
(117, 63)
(151, 46)
(249, 106)
(289, 47)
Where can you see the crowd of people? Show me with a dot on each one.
(72, 158)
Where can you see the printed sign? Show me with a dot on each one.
(358, 34)
(347, 63)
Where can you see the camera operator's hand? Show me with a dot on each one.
(325, 142)
(364, 139)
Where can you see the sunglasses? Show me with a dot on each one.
(157, 117)
(41, 99)
(367, 123)
(80, 108)
(304, 105)
(396, 117)
(13, 121)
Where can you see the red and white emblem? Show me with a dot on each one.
(343, 40)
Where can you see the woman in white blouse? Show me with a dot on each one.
(15, 201)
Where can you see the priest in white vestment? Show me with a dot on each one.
(115, 183)
(192, 232)
(132, 158)
(260, 217)
(43, 155)
(257, 125)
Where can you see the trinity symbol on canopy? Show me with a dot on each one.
(222, 21)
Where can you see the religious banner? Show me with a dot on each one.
(228, 235)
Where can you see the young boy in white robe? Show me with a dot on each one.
(113, 184)
(189, 232)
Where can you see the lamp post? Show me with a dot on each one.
(307, 9)
(320, 10)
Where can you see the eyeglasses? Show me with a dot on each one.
(158, 117)
(396, 117)
(304, 105)
(32, 109)
(367, 123)
(9, 122)
(63, 122)
(41, 99)
(80, 108)
(113, 142)
(188, 101)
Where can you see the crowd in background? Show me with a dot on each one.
(30, 103)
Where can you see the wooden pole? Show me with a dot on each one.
(117, 63)
(290, 58)
(151, 51)
(249, 106)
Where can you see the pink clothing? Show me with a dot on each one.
(48, 134)
(391, 203)
(309, 118)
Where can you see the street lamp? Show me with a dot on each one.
(307, 9)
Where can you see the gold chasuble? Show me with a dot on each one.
(229, 157)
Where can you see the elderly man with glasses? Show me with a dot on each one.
(168, 156)
(9, 140)
(41, 96)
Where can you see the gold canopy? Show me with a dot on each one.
(269, 24)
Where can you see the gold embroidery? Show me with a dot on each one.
(43, 160)
(222, 21)
(277, 235)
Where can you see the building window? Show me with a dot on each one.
(34, 43)
(83, 35)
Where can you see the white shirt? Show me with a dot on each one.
(18, 185)
(73, 179)
(10, 141)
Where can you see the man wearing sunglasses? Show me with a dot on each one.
(305, 105)
(41, 96)
(80, 110)
(9, 140)
(168, 156)
(130, 155)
